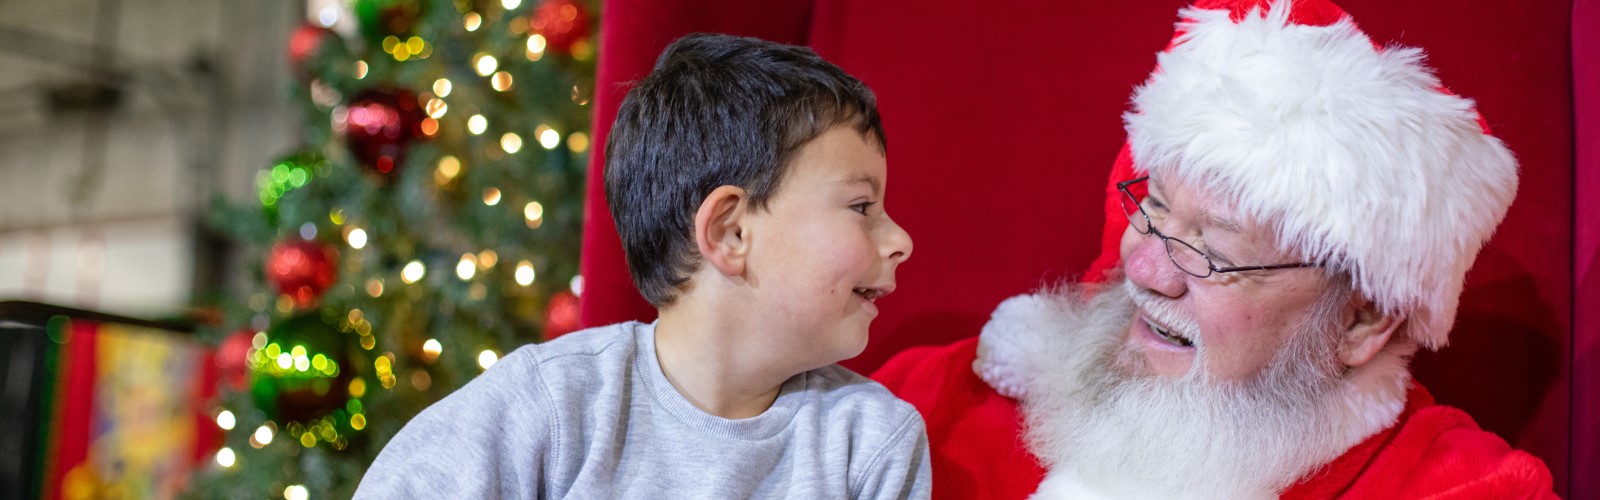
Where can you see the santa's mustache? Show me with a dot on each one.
(1163, 311)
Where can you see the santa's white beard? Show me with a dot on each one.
(1107, 427)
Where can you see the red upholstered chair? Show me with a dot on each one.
(1003, 119)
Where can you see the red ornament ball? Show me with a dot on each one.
(231, 362)
(306, 41)
(301, 269)
(380, 125)
(562, 315)
(562, 23)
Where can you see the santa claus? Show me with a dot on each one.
(1300, 209)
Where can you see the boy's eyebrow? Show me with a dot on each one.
(877, 187)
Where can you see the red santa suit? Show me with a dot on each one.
(976, 444)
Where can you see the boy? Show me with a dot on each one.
(747, 182)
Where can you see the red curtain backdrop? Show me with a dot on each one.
(1003, 119)
(1586, 258)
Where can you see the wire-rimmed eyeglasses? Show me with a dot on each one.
(1189, 259)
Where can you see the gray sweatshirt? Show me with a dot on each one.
(590, 415)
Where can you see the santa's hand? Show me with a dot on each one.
(1003, 359)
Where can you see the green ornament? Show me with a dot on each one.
(303, 372)
(384, 18)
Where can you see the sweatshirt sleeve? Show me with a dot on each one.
(901, 470)
(487, 440)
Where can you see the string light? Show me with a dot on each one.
(361, 69)
(431, 349)
(263, 435)
(525, 274)
(436, 108)
(472, 21)
(576, 285)
(487, 259)
(328, 16)
(374, 287)
(491, 196)
(501, 81)
(225, 420)
(511, 142)
(578, 142)
(533, 212)
(511, 4)
(295, 492)
(357, 238)
(413, 272)
(548, 137)
(536, 46)
(467, 267)
(477, 124)
(225, 457)
(484, 63)
(487, 358)
(441, 87)
(448, 168)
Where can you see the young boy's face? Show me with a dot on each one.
(824, 249)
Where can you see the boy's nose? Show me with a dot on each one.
(1146, 264)
(896, 244)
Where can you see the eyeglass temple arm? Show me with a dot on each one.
(1264, 268)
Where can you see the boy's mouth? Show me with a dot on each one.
(872, 293)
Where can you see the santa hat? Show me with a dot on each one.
(1354, 153)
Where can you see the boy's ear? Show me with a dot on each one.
(1366, 330)
(718, 230)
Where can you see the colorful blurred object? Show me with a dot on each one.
(98, 406)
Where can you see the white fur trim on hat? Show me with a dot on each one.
(1352, 153)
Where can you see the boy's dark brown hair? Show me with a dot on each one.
(718, 110)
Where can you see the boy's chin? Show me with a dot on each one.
(857, 344)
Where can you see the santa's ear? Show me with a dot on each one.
(1366, 329)
(719, 233)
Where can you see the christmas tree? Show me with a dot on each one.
(430, 224)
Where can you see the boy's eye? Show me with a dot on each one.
(861, 208)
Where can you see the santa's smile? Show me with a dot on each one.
(1161, 337)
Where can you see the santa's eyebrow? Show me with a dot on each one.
(870, 181)
(1221, 221)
